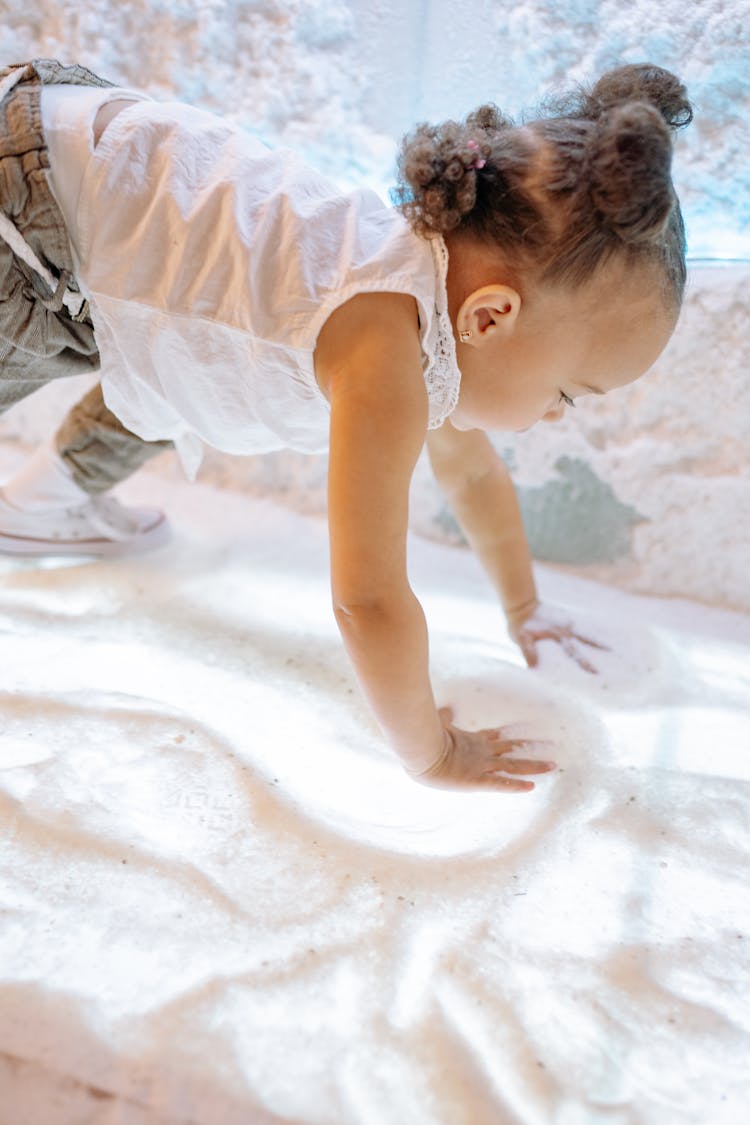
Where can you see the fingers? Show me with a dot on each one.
(497, 751)
(506, 745)
(497, 778)
(568, 642)
(479, 760)
(524, 765)
(592, 643)
(509, 784)
(570, 649)
(499, 745)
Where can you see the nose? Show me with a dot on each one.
(555, 414)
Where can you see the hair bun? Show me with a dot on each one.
(629, 158)
(438, 166)
(642, 82)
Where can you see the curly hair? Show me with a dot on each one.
(588, 178)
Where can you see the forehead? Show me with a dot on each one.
(625, 335)
(620, 282)
(612, 328)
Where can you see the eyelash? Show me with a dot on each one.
(566, 399)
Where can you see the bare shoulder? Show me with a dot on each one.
(369, 365)
(371, 342)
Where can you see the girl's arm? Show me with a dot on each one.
(369, 365)
(481, 493)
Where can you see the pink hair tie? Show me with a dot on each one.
(479, 161)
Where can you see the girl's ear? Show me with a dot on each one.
(486, 312)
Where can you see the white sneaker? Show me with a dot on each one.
(100, 526)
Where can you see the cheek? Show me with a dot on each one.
(509, 400)
(527, 405)
(513, 417)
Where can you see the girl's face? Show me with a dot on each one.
(551, 349)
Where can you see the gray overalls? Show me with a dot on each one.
(44, 335)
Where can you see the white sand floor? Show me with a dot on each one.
(222, 902)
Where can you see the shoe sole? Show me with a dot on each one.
(155, 536)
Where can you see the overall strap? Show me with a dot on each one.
(11, 79)
(60, 294)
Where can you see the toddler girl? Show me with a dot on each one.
(233, 297)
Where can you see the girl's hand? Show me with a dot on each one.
(543, 624)
(478, 760)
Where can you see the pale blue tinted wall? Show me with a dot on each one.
(433, 58)
(344, 78)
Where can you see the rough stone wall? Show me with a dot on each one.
(648, 488)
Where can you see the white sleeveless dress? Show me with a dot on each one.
(211, 263)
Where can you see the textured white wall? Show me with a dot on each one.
(648, 489)
(343, 79)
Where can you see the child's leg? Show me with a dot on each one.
(51, 500)
(97, 449)
(51, 504)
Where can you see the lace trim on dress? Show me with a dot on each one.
(442, 378)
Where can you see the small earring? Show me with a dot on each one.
(464, 336)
